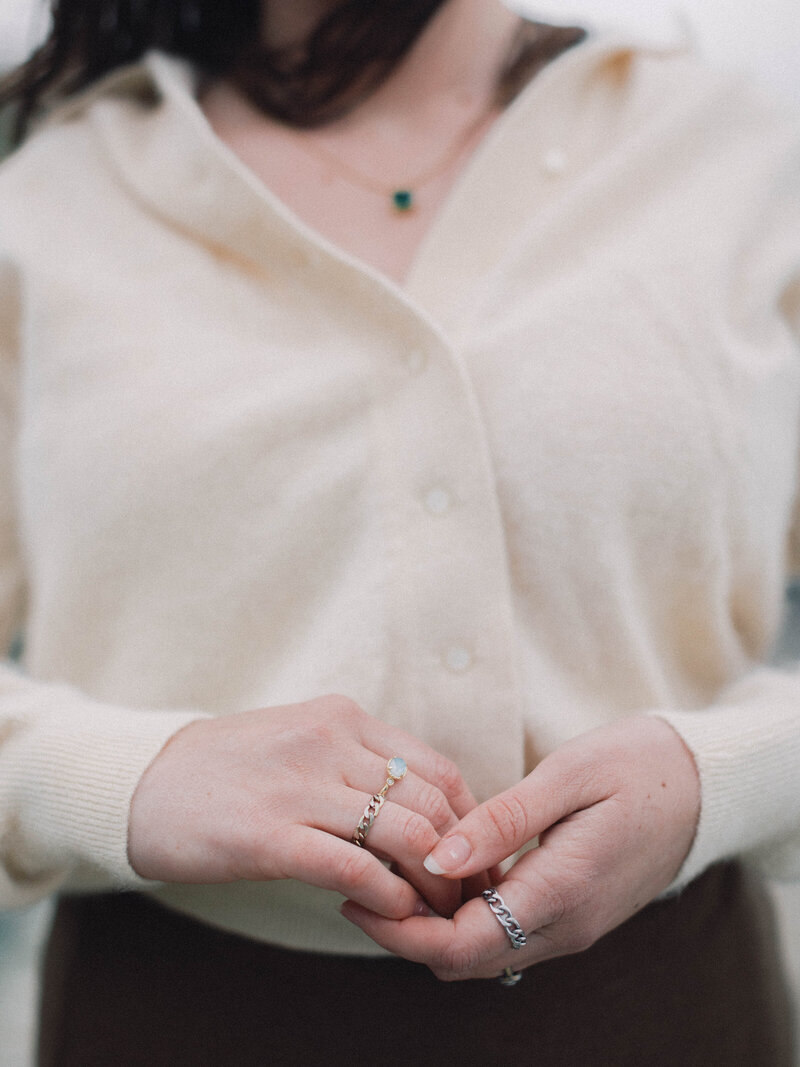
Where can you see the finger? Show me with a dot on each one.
(472, 886)
(412, 791)
(322, 860)
(467, 946)
(559, 911)
(473, 945)
(405, 838)
(444, 904)
(398, 834)
(398, 830)
(422, 760)
(495, 830)
(419, 939)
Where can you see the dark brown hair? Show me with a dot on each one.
(347, 55)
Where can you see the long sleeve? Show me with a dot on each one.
(545, 485)
(747, 751)
(746, 745)
(68, 764)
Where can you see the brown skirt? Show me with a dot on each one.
(689, 981)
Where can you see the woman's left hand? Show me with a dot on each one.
(615, 811)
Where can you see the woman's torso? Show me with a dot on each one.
(496, 505)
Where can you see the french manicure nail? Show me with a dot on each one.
(449, 855)
(421, 908)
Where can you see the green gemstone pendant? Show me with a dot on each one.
(402, 200)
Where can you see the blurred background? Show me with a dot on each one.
(762, 40)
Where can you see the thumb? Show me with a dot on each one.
(495, 830)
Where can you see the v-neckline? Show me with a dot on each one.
(454, 194)
(191, 184)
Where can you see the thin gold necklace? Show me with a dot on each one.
(402, 196)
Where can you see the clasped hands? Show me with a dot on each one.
(276, 793)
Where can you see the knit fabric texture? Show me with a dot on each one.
(545, 484)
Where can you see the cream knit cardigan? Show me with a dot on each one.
(545, 484)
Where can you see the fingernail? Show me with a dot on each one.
(449, 855)
(421, 908)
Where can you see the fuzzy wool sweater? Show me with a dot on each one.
(545, 484)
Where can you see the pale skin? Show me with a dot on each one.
(276, 792)
(443, 88)
(615, 812)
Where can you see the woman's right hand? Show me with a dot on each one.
(277, 793)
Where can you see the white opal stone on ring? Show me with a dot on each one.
(396, 768)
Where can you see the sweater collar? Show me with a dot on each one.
(166, 154)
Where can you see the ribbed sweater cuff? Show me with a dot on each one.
(71, 778)
(748, 759)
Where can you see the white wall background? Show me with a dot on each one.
(763, 40)
(22, 22)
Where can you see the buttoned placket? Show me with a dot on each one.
(451, 590)
(451, 614)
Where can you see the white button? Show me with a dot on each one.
(438, 501)
(458, 658)
(554, 161)
(416, 359)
